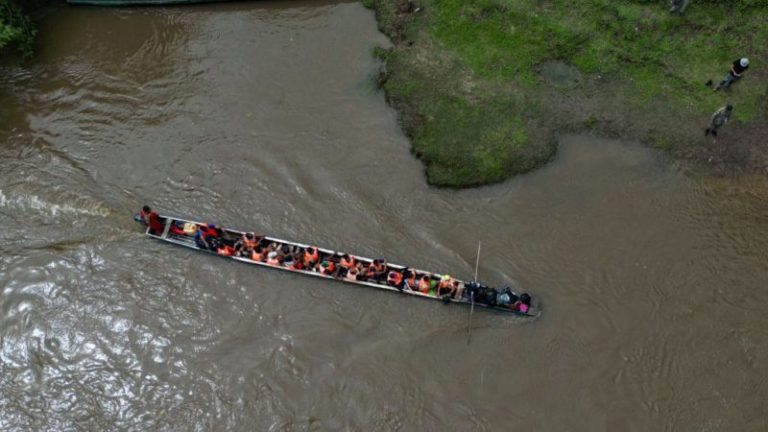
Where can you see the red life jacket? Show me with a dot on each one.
(153, 220)
(207, 232)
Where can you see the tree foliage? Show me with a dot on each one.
(16, 29)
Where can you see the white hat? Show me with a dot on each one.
(744, 62)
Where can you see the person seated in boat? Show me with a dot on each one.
(288, 262)
(482, 294)
(177, 228)
(274, 259)
(153, 220)
(425, 285)
(506, 298)
(286, 251)
(246, 243)
(353, 274)
(447, 286)
(226, 250)
(377, 270)
(311, 257)
(257, 254)
(411, 282)
(346, 263)
(395, 279)
(525, 303)
(362, 271)
(327, 268)
(205, 234)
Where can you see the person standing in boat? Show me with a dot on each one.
(151, 219)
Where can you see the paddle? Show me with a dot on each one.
(472, 297)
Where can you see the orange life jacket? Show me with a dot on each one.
(311, 258)
(446, 284)
(257, 256)
(347, 264)
(226, 250)
(273, 261)
(424, 286)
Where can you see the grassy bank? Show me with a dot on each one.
(484, 86)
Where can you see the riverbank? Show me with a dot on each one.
(484, 88)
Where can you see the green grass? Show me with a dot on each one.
(462, 71)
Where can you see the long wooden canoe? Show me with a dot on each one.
(230, 236)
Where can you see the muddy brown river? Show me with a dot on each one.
(265, 115)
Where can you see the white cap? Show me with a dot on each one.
(744, 62)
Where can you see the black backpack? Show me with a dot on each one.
(486, 295)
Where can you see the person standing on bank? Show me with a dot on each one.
(738, 68)
(719, 118)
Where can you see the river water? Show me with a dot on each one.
(265, 115)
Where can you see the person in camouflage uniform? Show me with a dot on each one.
(678, 6)
(719, 118)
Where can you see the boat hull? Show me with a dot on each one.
(188, 241)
